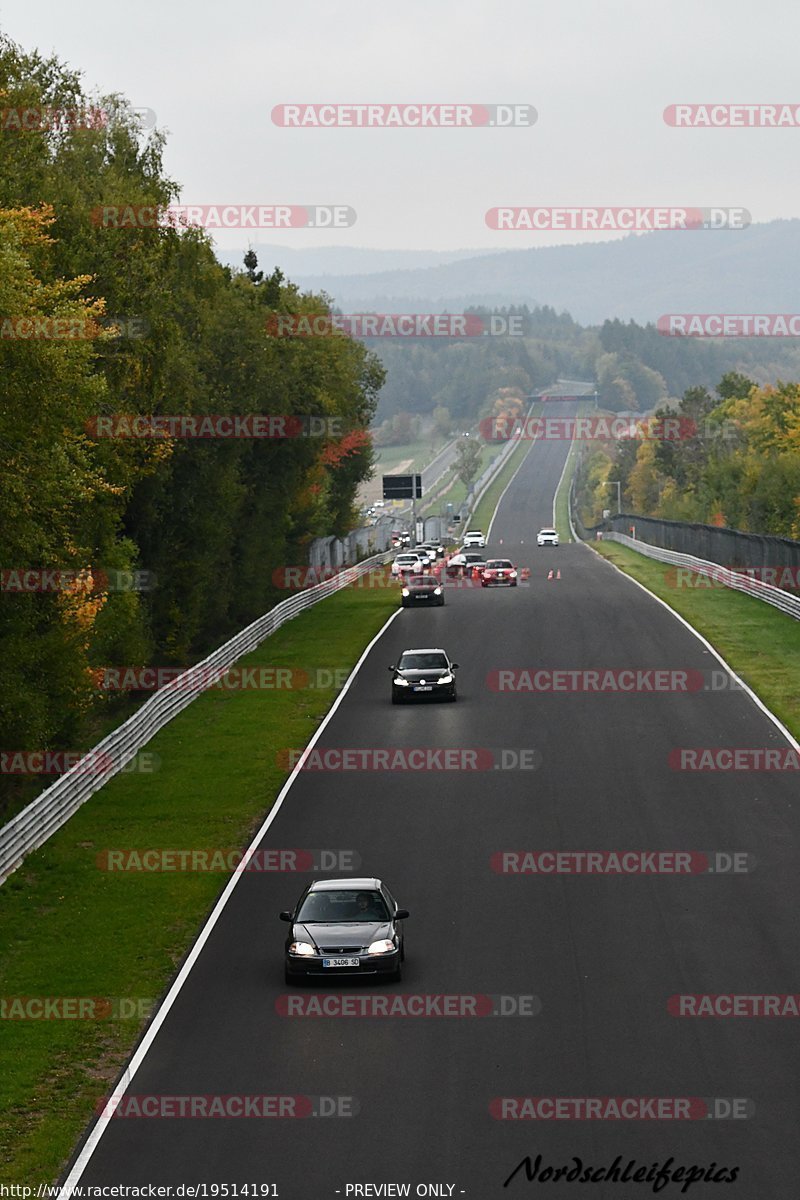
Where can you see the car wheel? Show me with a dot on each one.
(395, 976)
(396, 699)
(441, 602)
(514, 583)
(452, 697)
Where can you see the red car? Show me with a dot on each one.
(499, 572)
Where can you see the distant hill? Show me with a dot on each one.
(341, 260)
(638, 277)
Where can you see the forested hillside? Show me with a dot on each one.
(99, 321)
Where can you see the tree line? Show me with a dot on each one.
(145, 322)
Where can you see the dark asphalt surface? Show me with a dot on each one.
(602, 953)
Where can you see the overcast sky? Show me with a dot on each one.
(598, 72)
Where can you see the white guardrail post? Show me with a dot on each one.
(53, 807)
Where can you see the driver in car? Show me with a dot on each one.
(368, 907)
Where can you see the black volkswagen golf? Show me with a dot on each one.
(426, 674)
(344, 927)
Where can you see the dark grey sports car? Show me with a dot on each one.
(344, 927)
(422, 589)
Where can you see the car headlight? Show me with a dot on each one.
(437, 591)
(302, 948)
(382, 947)
(400, 682)
(445, 679)
(405, 592)
(513, 574)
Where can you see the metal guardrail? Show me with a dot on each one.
(40, 819)
(737, 580)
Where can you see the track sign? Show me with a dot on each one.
(402, 487)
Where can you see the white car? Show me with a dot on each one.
(473, 538)
(547, 537)
(407, 564)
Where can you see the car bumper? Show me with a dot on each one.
(428, 600)
(370, 966)
(444, 691)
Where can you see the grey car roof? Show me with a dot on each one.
(328, 885)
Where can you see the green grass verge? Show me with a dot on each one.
(759, 642)
(68, 928)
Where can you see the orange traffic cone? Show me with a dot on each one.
(549, 574)
(558, 573)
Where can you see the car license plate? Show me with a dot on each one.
(424, 689)
(340, 962)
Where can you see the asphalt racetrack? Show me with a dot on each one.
(579, 967)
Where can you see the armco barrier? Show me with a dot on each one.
(732, 579)
(52, 808)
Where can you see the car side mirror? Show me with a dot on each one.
(453, 666)
(285, 916)
(401, 914)
(391, 668)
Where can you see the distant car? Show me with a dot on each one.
(465, 563)
(407, 564)
(474, 564)
(422, 589)
(499, 572)
(344, 927)
(473, 537)
(432, 549)
(547, 537)
(423, 674)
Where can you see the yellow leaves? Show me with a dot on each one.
(80, 603)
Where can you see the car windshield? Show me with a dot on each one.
(346, 905)
(548, 532)
(423, 662)
(500, 564)
(474, 557)
(423, 581)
